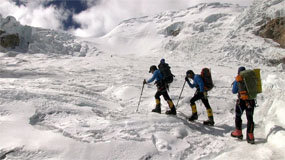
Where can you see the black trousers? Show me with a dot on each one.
(248, 107)
(199, 95)
(163, 93)
(161, 90)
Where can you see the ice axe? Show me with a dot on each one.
(140, 98)
(180, 94)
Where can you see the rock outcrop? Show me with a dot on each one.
(275, 30)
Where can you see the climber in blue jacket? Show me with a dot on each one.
(161, 90)
(199, 94)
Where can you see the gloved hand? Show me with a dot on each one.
(144, 81)
(186, 79)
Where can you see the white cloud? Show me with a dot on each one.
(101, 18)
(34, 14)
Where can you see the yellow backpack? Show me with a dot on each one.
(259, 85)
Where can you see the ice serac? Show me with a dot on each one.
(38, 40)
(22, 34)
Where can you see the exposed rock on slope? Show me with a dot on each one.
(274, 29)
(174, 29)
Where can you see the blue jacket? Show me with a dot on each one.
(156, 76)
(235, 87)
(198, 83)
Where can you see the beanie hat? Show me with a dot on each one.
(190, 72)
(241, 69)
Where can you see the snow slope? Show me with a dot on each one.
(58, 106)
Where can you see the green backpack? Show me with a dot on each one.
(250, 80)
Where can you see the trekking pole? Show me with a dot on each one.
(180, 94)
(140, 98)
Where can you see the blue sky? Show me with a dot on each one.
(87, 18)
(74, 7)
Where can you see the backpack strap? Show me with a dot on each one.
(241, 88)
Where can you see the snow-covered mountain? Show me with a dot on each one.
(64, 97)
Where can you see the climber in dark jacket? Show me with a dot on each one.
(243, 104)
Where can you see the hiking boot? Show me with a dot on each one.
(250, 138)
(237, 134)
(209, 122)
(171, 112)
(193, 117)
(157, 109)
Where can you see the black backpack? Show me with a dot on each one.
(164, 69)
(207, 79)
